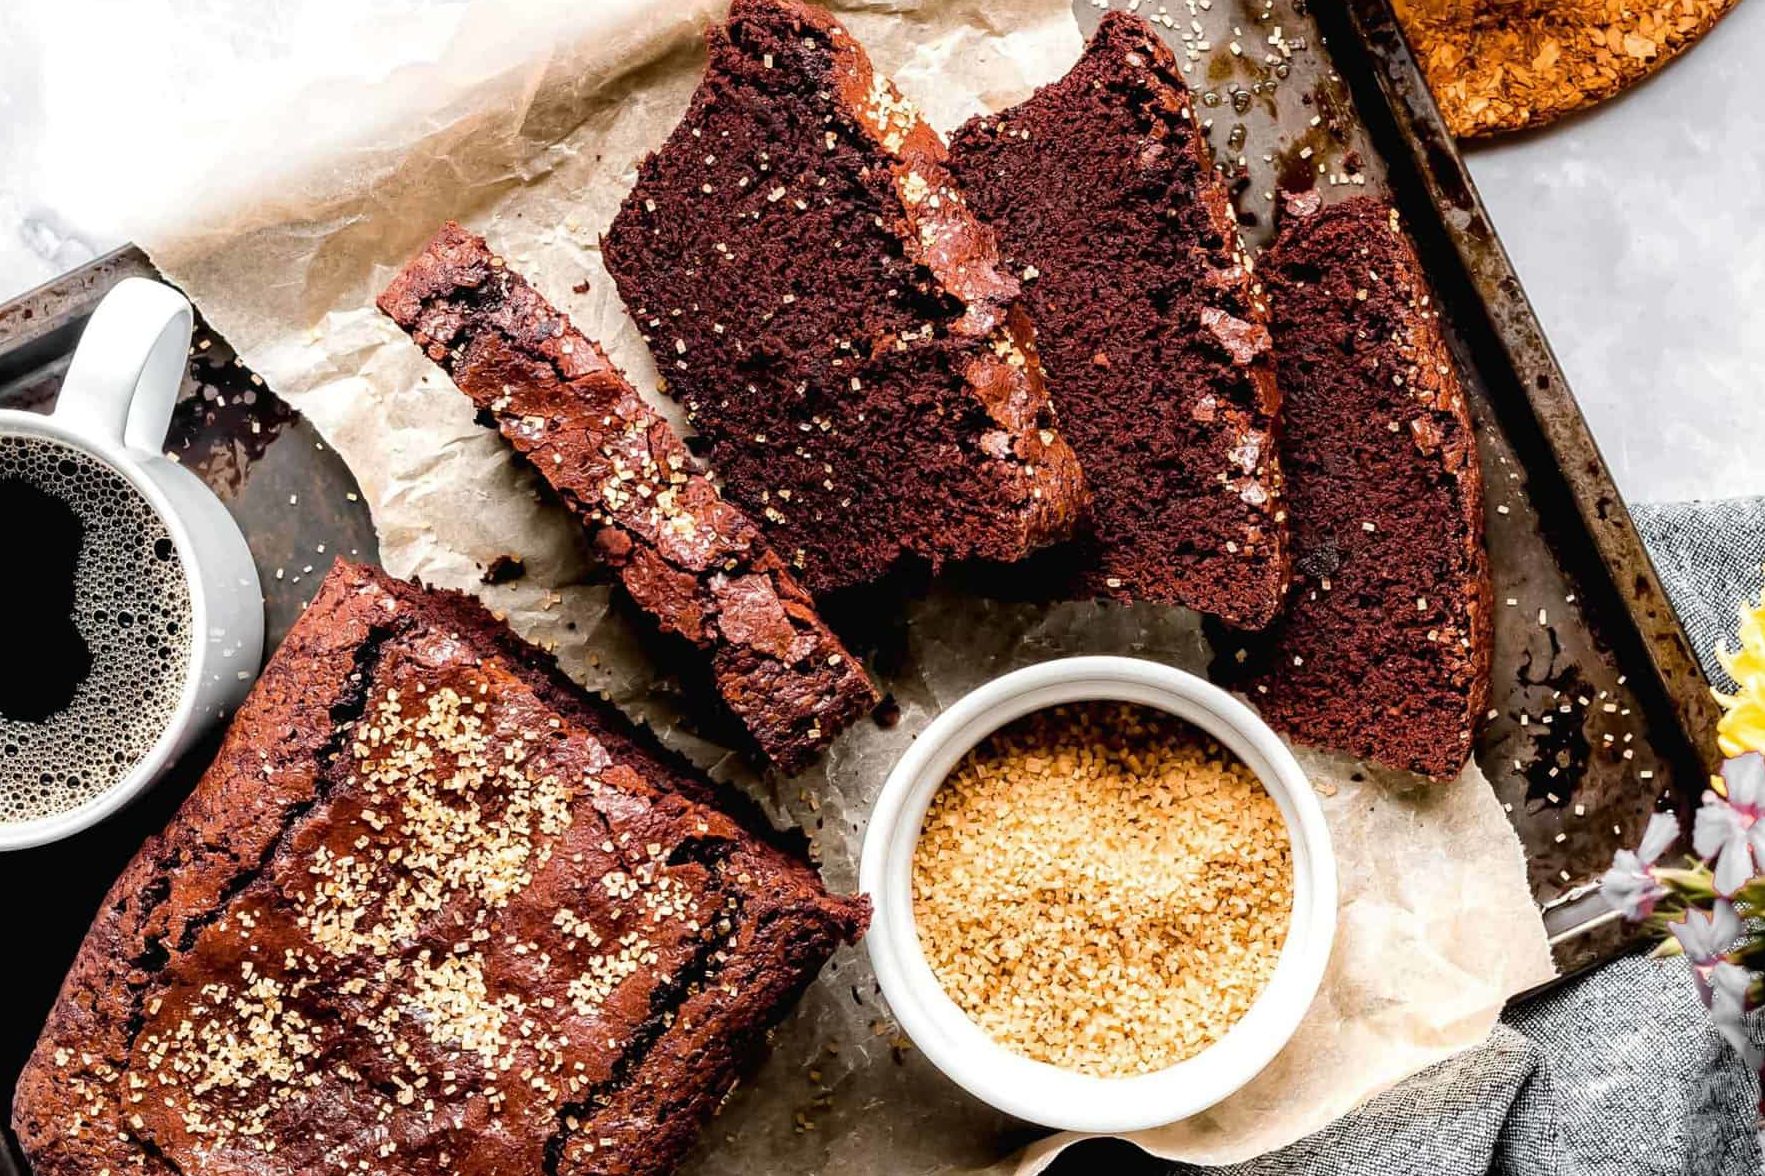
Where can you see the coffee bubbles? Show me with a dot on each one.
(95, 627)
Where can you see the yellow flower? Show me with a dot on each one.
(1742, 728)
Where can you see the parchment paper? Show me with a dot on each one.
(526, 124)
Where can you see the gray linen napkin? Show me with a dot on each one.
(1615, 1074)
(1619, 1072)
(1711, 558)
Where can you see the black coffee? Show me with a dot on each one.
(94, 627)
(39, 635)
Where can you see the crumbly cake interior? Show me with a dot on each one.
(817, 296)
(1154, 339)
(1385, 645)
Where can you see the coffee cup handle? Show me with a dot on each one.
(123, 381)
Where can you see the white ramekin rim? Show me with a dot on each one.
(1036, 1091)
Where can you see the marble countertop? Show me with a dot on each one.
(1635, 227)
(1638, 231)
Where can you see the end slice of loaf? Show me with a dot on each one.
(695, 564)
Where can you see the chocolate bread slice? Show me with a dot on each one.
(430, 910)
(836, 323)
(1150, 327)
(691, 561)
(1384, 648)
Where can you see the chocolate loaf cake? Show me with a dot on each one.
(431, 910)
(1154, 339)
(836, 323)
(1384, 648)
(690, 560)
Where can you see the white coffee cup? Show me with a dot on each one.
(115, 406)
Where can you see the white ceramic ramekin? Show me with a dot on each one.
(1033, 1090)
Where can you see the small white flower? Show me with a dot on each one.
(1662, 831)
(1728, 986)
(1630, 885)
(1728, 830)
(1706, 936)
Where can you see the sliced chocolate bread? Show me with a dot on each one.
(1155, 342)
(835, 321)
(1384, 648)
(691, 561)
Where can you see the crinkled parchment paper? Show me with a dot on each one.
(526, 122)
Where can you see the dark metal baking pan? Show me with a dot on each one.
(1599, 708)
(1628, 624)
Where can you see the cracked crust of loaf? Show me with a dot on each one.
(1384, 649)
(692, 562)
(1154, 332)
(173, 1033)
(818, 296)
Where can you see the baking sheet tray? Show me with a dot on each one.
(1596, 688)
